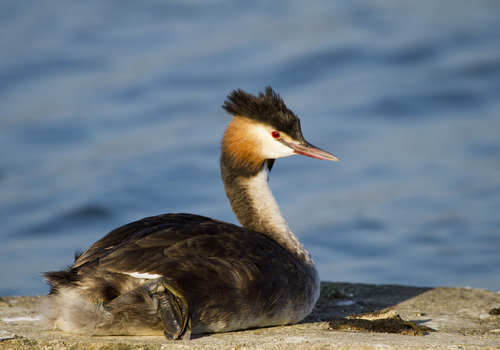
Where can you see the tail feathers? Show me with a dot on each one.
(61, 279)
(99, 302)
(72, 313)
(64, 278)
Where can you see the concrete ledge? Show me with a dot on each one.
(463, 318)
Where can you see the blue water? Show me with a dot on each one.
(110, 111)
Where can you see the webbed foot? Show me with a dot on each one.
(172, 307)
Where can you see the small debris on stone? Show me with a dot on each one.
(345, 303)
(384, 321)
(329, 291)
(495, 311)
(4, 335)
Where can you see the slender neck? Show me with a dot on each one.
(256, 209)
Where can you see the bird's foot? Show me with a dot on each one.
(172, 307)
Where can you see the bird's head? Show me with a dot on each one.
(262, 129)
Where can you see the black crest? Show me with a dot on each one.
(267, 108)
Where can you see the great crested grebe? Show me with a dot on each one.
(183, 273)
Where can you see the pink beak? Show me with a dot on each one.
(306, 149)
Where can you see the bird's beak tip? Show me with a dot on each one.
(312, 151)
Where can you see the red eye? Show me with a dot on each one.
(275, 134)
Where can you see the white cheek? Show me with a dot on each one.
(271, 147)
(275, 149)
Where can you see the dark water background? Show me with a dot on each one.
(110, 111)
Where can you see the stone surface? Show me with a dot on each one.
(460, 316)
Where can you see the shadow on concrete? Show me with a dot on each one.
(345, 299)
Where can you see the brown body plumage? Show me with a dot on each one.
(179, 274)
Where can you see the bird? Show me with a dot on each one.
(184, 274)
